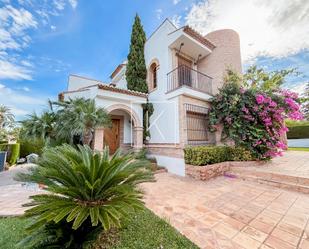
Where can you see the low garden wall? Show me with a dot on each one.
(206, 162)
(207, 172)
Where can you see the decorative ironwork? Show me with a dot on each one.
(189, 77)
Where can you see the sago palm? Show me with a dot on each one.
(85, 188)
(80, 116)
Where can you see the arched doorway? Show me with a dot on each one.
(126, 131)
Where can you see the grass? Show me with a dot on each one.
(11, 231)
(143, 230)
(299, 148)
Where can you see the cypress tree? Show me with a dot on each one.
(136, 71)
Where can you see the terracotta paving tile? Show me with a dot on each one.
(277, 243)
(290, 228)
(225, 229)
(304, 244)
(242, 217)
(246, 241)
(255, 233)
(285, 236)
(234, 223)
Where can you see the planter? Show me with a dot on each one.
(207, 172)
(2, 159)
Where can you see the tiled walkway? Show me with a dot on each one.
(231, 213)
(293, 163)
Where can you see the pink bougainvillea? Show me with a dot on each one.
(254, 118)
(273, 114)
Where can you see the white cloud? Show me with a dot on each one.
(176, 1)
(159, 13)
(73, 3)
(21, 103)
(16, 21)
(10, 70)
(176, 20)
(266, 28)
(52, 27)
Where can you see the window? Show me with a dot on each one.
(153, 76)
(197, 124)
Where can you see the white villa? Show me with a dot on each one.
(185, 69)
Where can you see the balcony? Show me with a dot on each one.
(184, 76)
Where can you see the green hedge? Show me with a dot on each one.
(13, 152)
(204, 155)
(28, 146)
(296, 132)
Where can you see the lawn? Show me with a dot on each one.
(299, 148)
(143, 230)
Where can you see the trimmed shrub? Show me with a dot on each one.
(297, 132)
(204, 155)
(28, 146)
(13, 152)
(239, 154)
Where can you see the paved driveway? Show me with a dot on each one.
(14, 194)
(231, 213)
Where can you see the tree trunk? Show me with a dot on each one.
(87, 137)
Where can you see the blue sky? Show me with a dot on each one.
(43, 41)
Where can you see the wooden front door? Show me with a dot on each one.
(112, 136)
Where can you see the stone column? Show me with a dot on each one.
(98, 139)
(138, 138)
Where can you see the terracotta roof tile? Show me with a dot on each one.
(107, 88)
(197, 36)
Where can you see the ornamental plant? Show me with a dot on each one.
(86, 192)
(136, 72)
(253, 116)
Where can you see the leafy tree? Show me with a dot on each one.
(136, 71)
(6, 117)
(305, 106)
(79, 117)
(258, 78)
(87, 192)
(40, 126)
(252, 110)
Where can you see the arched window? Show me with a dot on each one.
(153, 79)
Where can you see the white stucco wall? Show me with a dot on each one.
(166, 112)
(120, 79)
(76, 82)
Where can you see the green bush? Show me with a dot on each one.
(296, 132)
(204, 155)
(239, 154)
(86, 192)
(28, 146)
(13, 152)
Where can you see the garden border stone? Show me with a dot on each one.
(209, 171)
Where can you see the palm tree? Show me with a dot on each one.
(80, 117)
(6, 117)
(42, 127)
(86, 190)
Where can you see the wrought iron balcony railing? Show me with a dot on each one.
(186, 76)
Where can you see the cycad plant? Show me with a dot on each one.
(87, 192)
